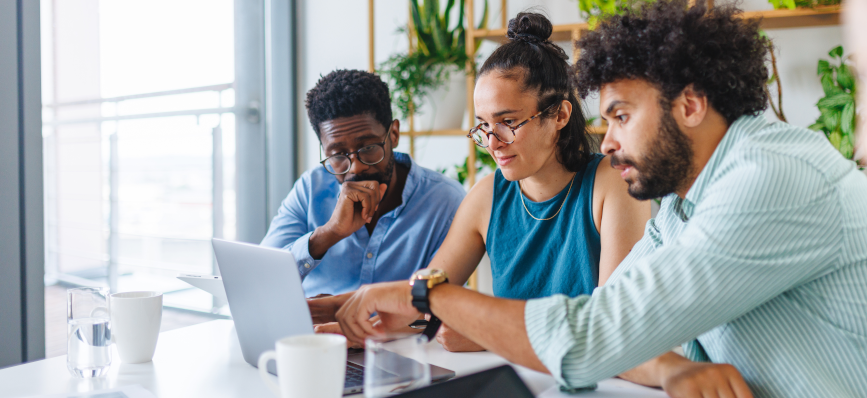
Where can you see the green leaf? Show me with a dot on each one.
(836, 101)
(847, 119)
(830, 118)
(824, 67)
(585, 6)
(847, 146)
(844, 78)
(829, 87)
(835, 138)
(837, 52)
(431, 10)
(483, 24)
(817, 126)
(460, 28)
(790, 4)
(448, 13)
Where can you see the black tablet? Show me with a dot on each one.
(501, 382)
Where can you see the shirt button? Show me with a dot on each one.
(369, 255)
(307, 266)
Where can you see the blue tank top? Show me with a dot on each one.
(531, 258)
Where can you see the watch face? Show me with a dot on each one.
(427, 272)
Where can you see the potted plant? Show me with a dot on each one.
(837, 107)
(793, 4)
(594, 10)
(439, 57)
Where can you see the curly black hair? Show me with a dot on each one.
(672, 45)
(344, 93)
(543, 69)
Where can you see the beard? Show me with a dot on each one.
(664, 168)
(383, 177)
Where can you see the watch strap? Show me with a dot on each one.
(419, 296)
(420, 293)
(433, 325)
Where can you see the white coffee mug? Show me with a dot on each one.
(135, 324)
(308, 366)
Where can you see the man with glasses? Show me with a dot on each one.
(370, 214)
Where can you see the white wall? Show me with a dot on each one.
(333, 35)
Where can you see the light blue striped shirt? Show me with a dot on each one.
(763, 265)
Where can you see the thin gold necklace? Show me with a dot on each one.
(561, 203)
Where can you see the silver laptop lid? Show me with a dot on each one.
(265, 295)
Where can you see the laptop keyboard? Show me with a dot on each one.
(354, 375)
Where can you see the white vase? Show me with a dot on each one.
(446, 107)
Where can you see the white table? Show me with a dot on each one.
(205, 361)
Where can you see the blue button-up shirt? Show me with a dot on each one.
(403, 241)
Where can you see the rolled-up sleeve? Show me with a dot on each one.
(741, 249)
(290, 228)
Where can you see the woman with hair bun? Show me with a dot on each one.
(554, 218)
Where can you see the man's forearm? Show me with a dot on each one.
(495, 324)
(652, 372)
(320, 241)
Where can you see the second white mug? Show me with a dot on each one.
(135, 324)
(308, 366)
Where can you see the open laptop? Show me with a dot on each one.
(267, 304)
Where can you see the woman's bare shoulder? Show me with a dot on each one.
(477, 204)
(608, 180)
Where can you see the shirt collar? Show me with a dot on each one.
(741, 128)
(412, 181)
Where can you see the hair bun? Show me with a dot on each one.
(530, 27)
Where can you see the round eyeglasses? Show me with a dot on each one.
(340, 163)
(504, 132)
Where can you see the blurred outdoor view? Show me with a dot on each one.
(139, 135)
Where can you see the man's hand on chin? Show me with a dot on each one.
(392, 301)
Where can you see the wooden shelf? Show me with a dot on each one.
(798, 18)
(771, 19)
(597, 130)
(438, 133)
(560, 33)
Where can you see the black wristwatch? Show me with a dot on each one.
(422, 281)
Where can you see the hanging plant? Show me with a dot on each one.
(793, 4)
(837, 107)
(440, 48)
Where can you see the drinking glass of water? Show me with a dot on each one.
(88, 332)
(395, 364)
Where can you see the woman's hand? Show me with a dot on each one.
(334, 328)
(456, 342)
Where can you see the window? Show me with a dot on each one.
(139, 141)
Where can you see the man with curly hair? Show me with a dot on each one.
(756, 262)
(369, 214)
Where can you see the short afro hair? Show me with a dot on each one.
(672, 45)
(345, 93)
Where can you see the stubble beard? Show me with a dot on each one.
(666, 167)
